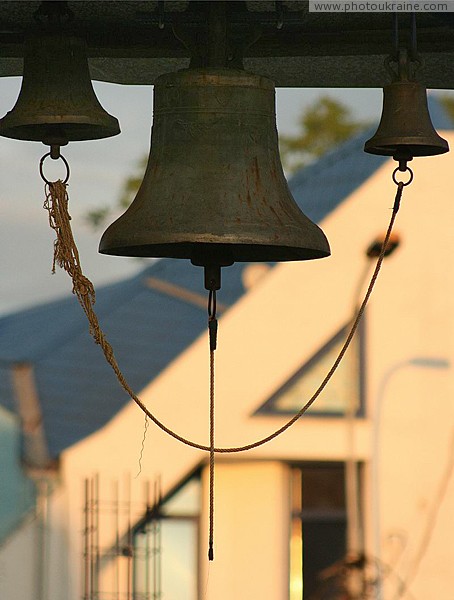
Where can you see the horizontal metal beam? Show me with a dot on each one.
(134, 42)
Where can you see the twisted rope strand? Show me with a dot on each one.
(66, 255)
(212, 460)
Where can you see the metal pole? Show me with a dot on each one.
(86, 556)
(91, 529)
(422, 362)
(117, 541)
(129, 543)
(355, 543)
(147, 544)
(96, 532)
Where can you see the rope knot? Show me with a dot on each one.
(82, 286)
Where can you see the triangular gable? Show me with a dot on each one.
(346, 385)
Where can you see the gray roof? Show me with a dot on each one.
(77, 389)
(147, 328)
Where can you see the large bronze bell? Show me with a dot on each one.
(214, 190)
(57, 103)
(405, 128)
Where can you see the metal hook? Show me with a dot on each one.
(53, 13)
(403, 64)
(161, 11)
(407, 68)
(279, 14)
(413, 43)
(395, 18)
(212, 304)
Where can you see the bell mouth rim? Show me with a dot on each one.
(63, 131)
(224, 254)
(414, 148)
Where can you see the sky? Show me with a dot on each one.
(98, 169)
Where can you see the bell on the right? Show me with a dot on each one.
(405, 128)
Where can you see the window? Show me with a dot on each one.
(166, 547)
(318, 526)
(345, 387)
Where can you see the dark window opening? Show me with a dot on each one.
(318, 529)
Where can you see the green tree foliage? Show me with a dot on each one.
(97, 217)
(322, 126)
(448, 104)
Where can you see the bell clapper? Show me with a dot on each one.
(55, 152)
(212, 277)
(402, 160)
(53, 14)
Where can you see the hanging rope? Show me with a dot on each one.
(213, 330)
(66, 256)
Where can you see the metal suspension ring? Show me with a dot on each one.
(41, 168)
(398, 170)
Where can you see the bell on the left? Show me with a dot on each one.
(57, 103)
